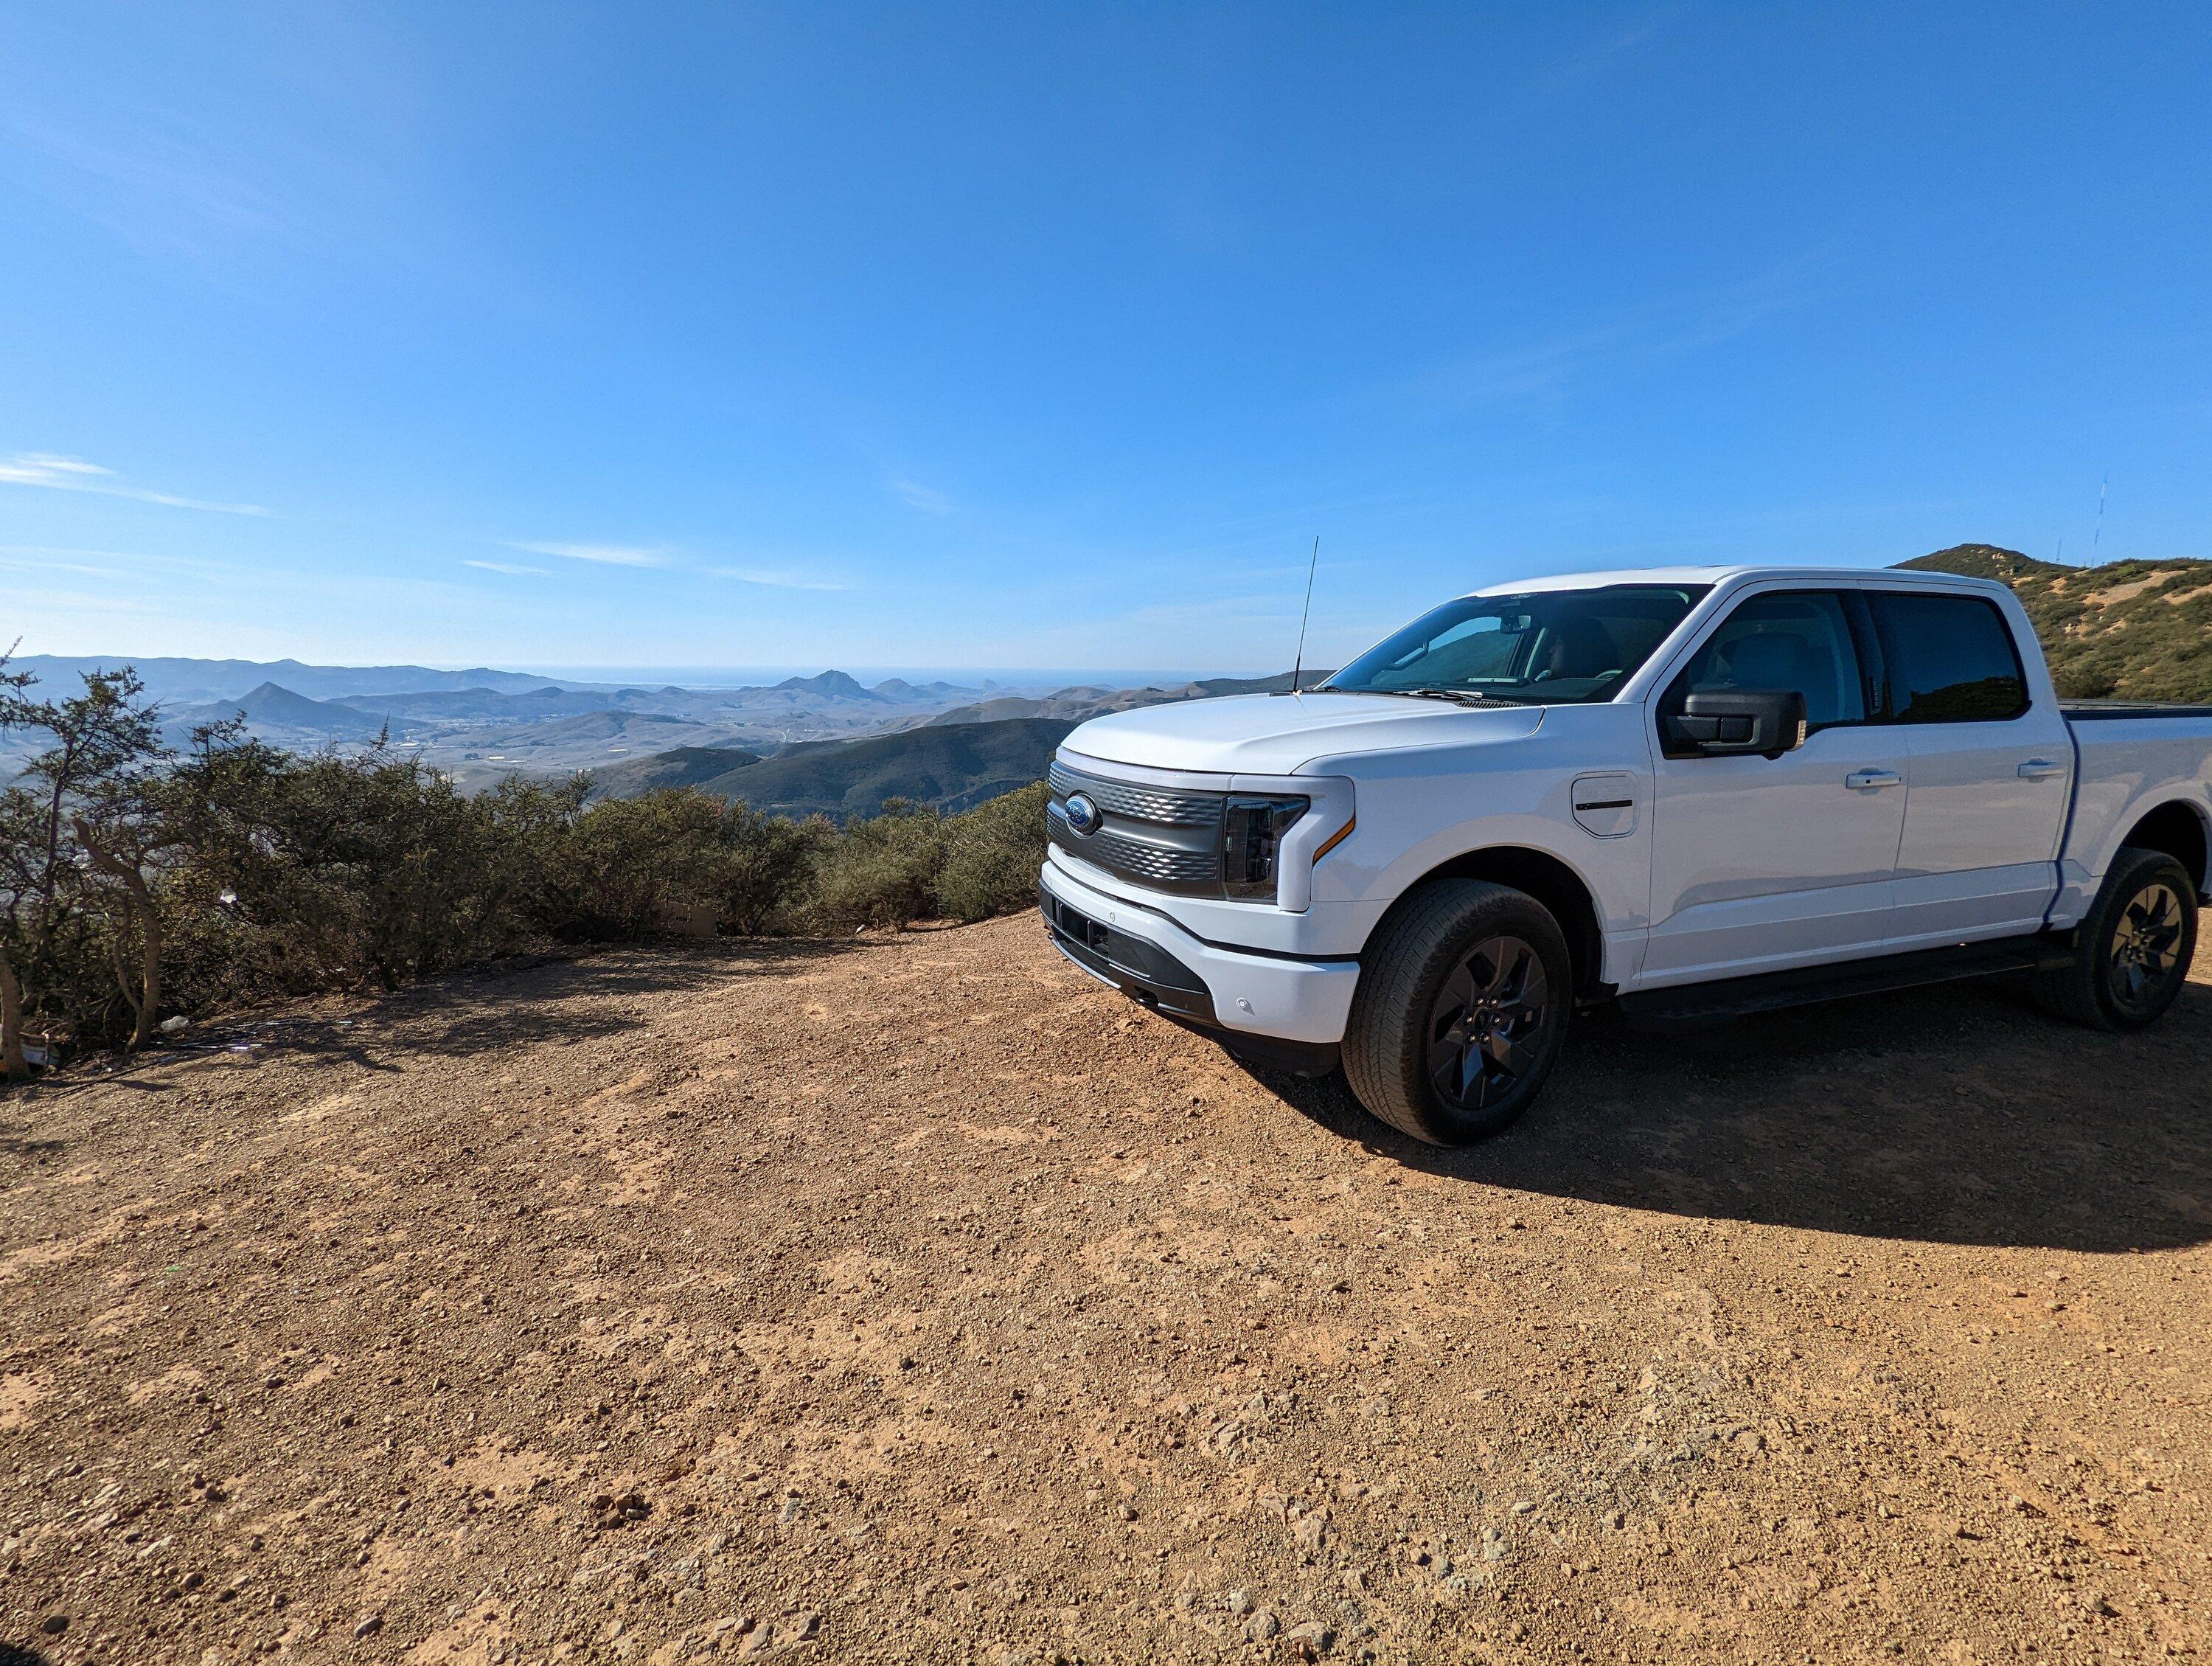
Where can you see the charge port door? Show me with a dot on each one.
(1605, 805)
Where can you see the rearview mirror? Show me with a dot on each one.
(1763, 722)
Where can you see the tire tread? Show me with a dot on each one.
(1380, 1041)
(2075, 993)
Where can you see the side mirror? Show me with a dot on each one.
(1765, 722)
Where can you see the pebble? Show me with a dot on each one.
(369, 1626)
(1240, 1602)
(1261, 1626)
(799, 1626)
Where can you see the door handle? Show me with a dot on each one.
(2041, 768)
(1860, 780)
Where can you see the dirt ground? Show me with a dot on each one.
(918, 1300)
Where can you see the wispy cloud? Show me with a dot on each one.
(1544, 370)
(929, 501)
(775, 580)
(131, 564)
(1599, 57)
(515, 567)
(607, 555)
(73, 474)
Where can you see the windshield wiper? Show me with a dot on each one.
(1458, 696)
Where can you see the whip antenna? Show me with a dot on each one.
(1300, 663)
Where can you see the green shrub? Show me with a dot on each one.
(768, 873)
(625, 859)
(882, 870)
(991, 855)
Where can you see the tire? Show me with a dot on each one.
(1466, 984)
(2132, 949)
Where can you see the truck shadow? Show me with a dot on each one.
(1955, 1115)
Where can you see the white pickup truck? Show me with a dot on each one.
(1694, 791)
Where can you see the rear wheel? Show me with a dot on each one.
(2132, 949)
(1461, 1008)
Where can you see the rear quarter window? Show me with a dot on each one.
(1949, 659)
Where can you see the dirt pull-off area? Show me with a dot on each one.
(921, 1300)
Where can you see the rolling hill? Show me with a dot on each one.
(479, 705)
(951, 768)
(642, 728)
(2128, 631)
(952, 760)
(680, 766)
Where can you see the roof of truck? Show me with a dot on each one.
(1662, 576)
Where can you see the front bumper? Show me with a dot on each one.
(1261, 1003)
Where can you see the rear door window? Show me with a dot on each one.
(1949, 658)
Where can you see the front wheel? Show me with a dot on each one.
(1461, 1006)
(2132, 949)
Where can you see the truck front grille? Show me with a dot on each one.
(1164, 838)
(1165, 806)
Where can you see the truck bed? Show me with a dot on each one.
(2131, 756)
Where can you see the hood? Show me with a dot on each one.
(1273, 734)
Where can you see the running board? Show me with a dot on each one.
(1714, 1003)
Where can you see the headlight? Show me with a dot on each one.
(1252, 829)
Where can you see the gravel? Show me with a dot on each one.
(917, 1299)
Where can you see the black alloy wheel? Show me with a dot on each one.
(1462, 1003)
(2131, 951)
(2146, 946)
(1483, 1022)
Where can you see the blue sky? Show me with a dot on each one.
(1051, 336)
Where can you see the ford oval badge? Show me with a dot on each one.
(1083, 815)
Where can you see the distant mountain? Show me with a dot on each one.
(2130, 630)
(834, 684)
(951, 768)
(274, 710)
(1278, 684)
(478, 705)
(1075, 704)
(952, 760)
(680, 766)
(898, 688)
(198, 681)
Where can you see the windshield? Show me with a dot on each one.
(1547, 648)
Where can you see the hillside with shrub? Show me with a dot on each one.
(680, 766)
(2130, 630)
(140, 883)
(950, 769)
